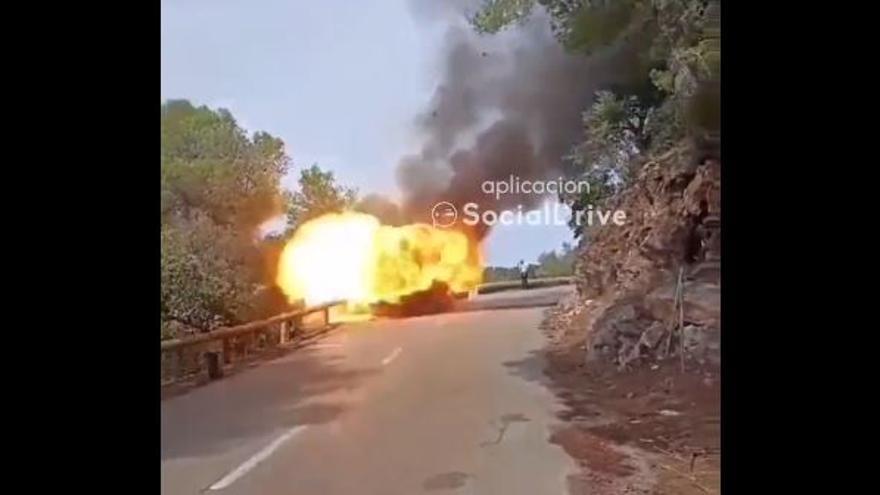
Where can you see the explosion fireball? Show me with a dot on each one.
(352, 257)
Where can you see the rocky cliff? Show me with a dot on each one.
(628, 276)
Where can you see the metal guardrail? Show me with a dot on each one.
(189, 356)
(534, 283)
(192, 355)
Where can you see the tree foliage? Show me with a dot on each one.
(588, 25)
(500, 273)
(556, 263)
(217, 186)
(496, 15)
(317, 195)
(209, 164)
(666, 97)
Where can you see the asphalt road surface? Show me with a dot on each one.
(447, 404)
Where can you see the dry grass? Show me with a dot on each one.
(684, 476)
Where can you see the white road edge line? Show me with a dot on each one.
(256, 459)
(392, 356)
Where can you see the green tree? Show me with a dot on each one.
(495, 15)
(671, 38)
(217, 186)
(317, 195)
(580, 25)
(556, 264)
(209, 164)
(671, 91)
(589, 25)
(500, 273)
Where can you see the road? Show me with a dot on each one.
(450, 403)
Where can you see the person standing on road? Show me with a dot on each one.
(524, 274)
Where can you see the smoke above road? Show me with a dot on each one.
(507, 105)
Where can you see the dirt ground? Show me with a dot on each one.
(651, 430)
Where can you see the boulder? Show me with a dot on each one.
(673, 212)
(653, 334)
(702, 343)
(629, 328)
(708, 271)
(702, 303)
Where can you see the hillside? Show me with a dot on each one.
(615, 346)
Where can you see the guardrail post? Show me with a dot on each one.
(227, 352)
(177, 365)
(283, 338)
(185, 356)
(212, 362)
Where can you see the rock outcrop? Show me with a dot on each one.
(628, 275)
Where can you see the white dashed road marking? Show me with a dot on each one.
(392, 356)
(256, 459)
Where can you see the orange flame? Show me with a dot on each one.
(352, 257)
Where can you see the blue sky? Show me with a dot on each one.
(340, 81)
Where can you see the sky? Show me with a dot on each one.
(339, 81)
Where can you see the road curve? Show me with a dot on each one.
(450, 403)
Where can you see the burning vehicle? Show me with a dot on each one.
(378, 269)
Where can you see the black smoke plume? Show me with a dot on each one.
(509, 104)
